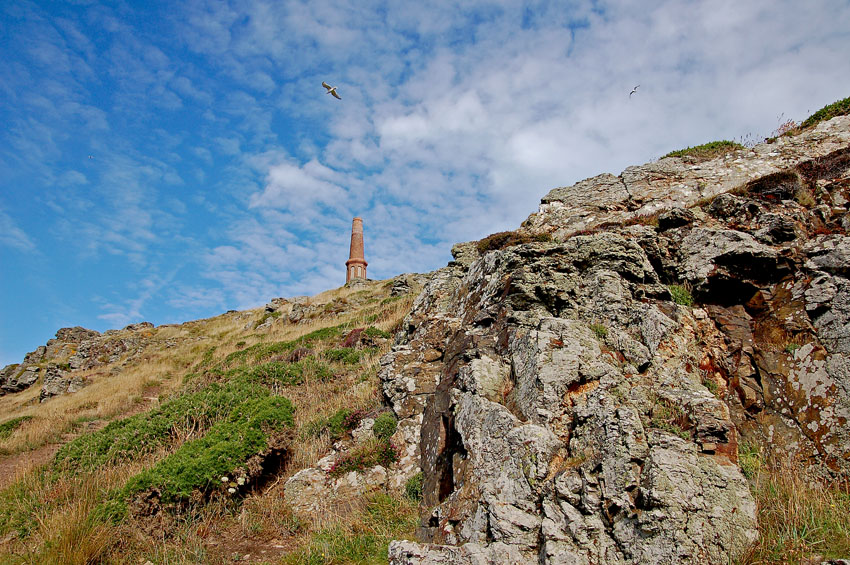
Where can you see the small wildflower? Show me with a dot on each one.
(240, 481)
(231, 490)
(225, 479)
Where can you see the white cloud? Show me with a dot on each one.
(13, 236)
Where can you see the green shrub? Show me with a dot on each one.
(413, 487)
(337, 425)
(600, 330)
(264, 351)
(199, 464)
(8, 427)
(750, 459)
(665, 415)
(347, 355)
(142, 433)
(681, 295)
(365, 456)
(707, 151)
(284, 373)
(372, 331)
(711, 385)
(385, 425)
(840, 108)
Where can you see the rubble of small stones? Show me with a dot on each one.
(564, 408)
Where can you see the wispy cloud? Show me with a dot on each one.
(218, 162)
(12, 236)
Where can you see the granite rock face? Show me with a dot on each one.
(564, 408)
(73, 349)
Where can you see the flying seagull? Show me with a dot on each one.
(331, 90)
(633, 91)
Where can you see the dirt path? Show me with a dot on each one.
(14, 466)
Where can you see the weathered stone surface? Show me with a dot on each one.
(675, 218)
(15, 378)
(675, 182)
(572, 412)
(57, 382)
(547, 379)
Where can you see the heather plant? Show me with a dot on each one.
(337, 425)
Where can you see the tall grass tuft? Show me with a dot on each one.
(801, 518)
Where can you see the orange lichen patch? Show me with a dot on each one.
(562, 462)
(727, 453)
(578, 389)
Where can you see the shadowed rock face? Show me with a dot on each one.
(563, 409)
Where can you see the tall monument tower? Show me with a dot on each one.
(355, 267)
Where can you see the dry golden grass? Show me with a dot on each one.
(802, 519)
(62, 529)
(56, 515)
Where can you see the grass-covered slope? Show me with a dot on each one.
(180, 454)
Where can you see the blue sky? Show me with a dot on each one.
(171, 161)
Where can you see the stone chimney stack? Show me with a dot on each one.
(355, 267)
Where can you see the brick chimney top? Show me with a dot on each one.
(355, 267)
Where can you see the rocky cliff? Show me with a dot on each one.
(578, 391)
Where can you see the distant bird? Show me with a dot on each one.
(331, 90)
(633, 90)
(91, 156)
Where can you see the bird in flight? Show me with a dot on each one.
(331, 90)
(633, 91)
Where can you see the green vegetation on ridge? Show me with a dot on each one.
(707, 151)
(839, 108)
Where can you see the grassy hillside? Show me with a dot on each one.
(179, 454)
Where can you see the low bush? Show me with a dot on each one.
(8, 427)
(839, 108)
(681, 295)
(263, 351)
(600, 330)
(186, 415)
(385, 425)
(283, 373)
(372, 331)
(199, 464)
(365, 456)
(347, 355)
(707, 151)
(337, 425)
(665, 415)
